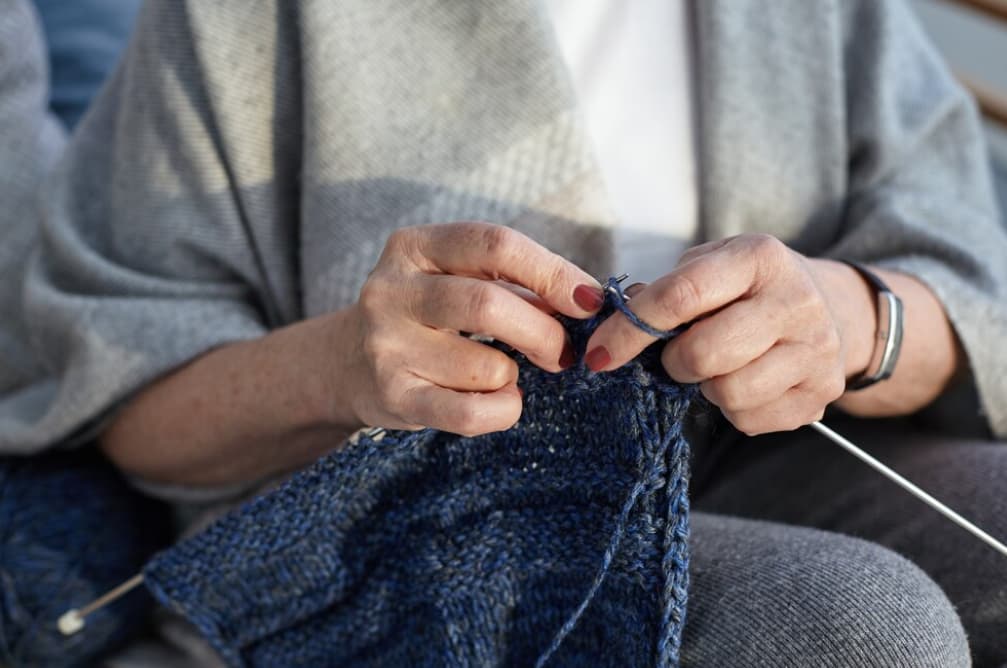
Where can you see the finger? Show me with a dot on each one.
(528, 296)
(702, 249)
(794, 409)
(457, 363)
(699, 287)
(723, 342)
(484, 250)
(634, 289)
(762, 382)
(465, 413)
(483, 307)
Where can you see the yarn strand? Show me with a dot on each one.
(658, 474)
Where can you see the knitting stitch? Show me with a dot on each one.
(563, 539)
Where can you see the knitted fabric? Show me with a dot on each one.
(70, 529)
(562, 540)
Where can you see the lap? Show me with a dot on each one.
(801, 478)
(764, 593)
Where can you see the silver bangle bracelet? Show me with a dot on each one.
(888, 341)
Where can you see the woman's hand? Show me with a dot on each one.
(767, 343)
(406, 365)
(251, 409)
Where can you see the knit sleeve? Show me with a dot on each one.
(167, 230)
(921, 199)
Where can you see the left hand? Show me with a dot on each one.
(765, 345)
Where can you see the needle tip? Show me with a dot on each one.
(71, 622)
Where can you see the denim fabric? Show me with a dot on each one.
(85, 38)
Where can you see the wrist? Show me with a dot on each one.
(853, 304)
(321, 350)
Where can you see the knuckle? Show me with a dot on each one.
(392, 398)
(372, 297)
(549, 342)
(555, 276)
(826, 340)
(500, 372)
(793, 423)
(834, 387)
(766, 246)
(730, 395)
(374, 347)
(469, 420)
(398, 237)
(806, 298)
(698, 357)
(771, 255)
(402, 242)
(510, 417)
(682, 296)
(483, 307)
(745, 423)
(807, 409)
(498, 242)
(685, 296)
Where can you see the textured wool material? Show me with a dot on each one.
(561, 541)
(71, 528)
(246, 163)
(31, 140)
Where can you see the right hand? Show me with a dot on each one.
(408, 366)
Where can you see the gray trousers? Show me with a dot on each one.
(912, 589)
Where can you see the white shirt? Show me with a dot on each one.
(631, 65)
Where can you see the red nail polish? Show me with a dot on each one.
(597, 358)
(588, 298)
(566, 358)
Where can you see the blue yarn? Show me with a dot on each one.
(70, 529)
(617, 298)
(562, 540)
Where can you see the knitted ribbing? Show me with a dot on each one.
(562, 539)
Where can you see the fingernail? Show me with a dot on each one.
(566, 358)
(588, 298)
(597, 358)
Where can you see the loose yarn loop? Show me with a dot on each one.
(618, 300)
(426, 548)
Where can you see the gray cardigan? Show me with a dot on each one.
(248, 160)
(31, 140)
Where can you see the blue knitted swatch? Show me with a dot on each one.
(562, 541)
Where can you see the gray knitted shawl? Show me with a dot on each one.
(246, 163)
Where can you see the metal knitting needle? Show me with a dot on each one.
(618, 279)
(72, 620)
(909, 487)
